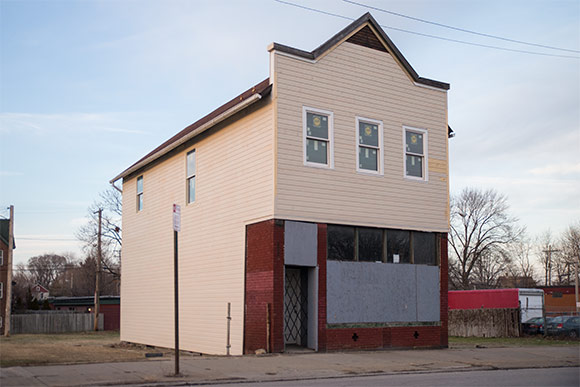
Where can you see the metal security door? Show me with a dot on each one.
(295, 307)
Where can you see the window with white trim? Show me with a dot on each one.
(1, 290)
(139, 193)
(190, 160)
(1, 257)
(415, 153)
(318, 137)
(369, 141)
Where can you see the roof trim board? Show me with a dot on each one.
(225, 111)
(348, 32)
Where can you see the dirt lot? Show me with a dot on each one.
(90, 347)
(100, 347)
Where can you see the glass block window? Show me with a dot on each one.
(424, 248)
(191, 169)
(398, 246)
(139, 193)
(415, 153)
(341, 243)
(369, 142)
(317, 137)
(370, 244)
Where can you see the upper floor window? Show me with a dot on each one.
(191, 176)
(318, 138)
(139, 193)
(1, 257)
(1, 290)
(369, 145)
(415, 153)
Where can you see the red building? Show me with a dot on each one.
(110, 308)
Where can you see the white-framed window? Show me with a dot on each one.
(369, 144)
(1, 290)
(139, 193)
(191, 168)
(1, 257)
(415, 153)
(318, 137)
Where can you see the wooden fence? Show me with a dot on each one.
(55, 322)
(484, 322)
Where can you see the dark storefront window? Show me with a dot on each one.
(341, 243)
(370, 244)
(424, 250)
(398, 246)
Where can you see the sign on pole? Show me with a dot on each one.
(176, 217)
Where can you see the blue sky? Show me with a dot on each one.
(88, 87)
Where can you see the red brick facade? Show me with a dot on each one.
(264, 286)
(265, 291)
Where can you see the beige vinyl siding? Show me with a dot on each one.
(353, 81)
(234, 187)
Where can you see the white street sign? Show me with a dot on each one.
(176, 217)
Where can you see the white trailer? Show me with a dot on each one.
(531, 303)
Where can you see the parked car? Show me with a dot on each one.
(571, 327)
(556, 326)
(532, 326)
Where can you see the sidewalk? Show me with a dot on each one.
(302, 366)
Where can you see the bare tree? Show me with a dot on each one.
(45, 269)
(569, 246)
(481, 227)
(110, 201)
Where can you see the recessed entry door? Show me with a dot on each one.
(296, 306)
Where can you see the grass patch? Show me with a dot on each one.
(462, 342)
(67, 348)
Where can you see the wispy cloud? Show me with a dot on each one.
(10, 173)
(561, 169)
(65, 122)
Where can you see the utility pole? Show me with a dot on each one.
(8, 312)
(576, 281)
(98, 276)
(549, 264)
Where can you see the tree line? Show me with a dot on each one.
(489, 249)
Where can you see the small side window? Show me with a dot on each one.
(191, 167)
(1, 257)
(139, 193)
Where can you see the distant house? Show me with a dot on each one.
(110, 308)
(39, 293)
(314, 204)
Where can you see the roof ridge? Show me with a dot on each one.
(348, 30)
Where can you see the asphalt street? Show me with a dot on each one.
(569, 376)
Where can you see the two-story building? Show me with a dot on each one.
(316, 204)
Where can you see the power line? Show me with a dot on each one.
(428, 35)
(460, 29)
(47, 239)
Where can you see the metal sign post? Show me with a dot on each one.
(176, 229)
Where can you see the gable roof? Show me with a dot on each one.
(365, 36)
(223, 112)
